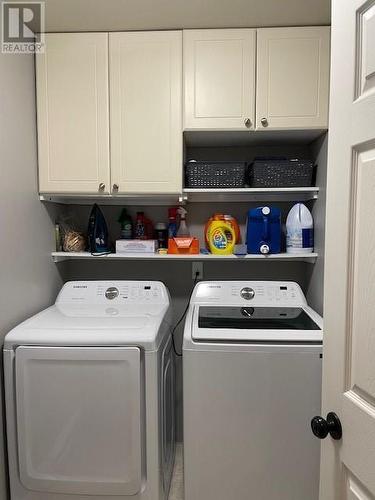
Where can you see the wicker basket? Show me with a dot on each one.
(199, 174)
(272, 173)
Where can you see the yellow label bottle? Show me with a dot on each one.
(221, 238)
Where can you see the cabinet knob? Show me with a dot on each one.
(115, 187)
(101, 186)
(264, 122)
(247, 122)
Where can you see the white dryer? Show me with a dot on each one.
(252, 382)
(90, 395)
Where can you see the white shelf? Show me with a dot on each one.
(251, 194)
(190, 195)
(232, 138)
(118, 199)
(305, 257)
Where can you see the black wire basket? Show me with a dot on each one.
(199, 174)
(272, 173)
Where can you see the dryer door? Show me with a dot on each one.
(79, 419)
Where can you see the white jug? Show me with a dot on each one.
(299, 230)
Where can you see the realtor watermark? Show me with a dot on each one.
(22, 27)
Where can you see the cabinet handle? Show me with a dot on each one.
(101, 186)
(264, 122)
(247, 122)
(115, 187)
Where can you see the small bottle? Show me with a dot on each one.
(58, 237)
(183, 230)
(140, 227)
(126, 225)
(172, 224)
(161, 234)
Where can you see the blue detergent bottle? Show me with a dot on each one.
(263, 230)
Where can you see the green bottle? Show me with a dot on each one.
(126, 225)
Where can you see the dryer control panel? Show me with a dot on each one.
(279, 293)
(113, 292)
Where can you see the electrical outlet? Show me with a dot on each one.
(197, 267)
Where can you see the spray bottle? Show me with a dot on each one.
(183, 230)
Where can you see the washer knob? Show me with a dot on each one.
(247, 293)
(111, 293)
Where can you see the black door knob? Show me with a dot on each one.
(332, 425)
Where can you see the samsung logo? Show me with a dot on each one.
(79, 286)
(214, 286)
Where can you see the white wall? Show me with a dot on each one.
(28, 278)
(315, 289)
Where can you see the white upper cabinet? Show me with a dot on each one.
(292, 78)
(73, 115)
(146, 112)
(219, 78)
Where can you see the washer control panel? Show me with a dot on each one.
(114, 292)
(254, 292)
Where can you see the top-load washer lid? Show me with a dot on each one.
(253, 312)
(99, 313)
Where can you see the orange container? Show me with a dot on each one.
(183, 245)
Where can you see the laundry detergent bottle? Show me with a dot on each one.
(221, 237)
(299, 230)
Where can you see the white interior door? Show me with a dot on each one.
(348, 466)
(73, 113)
(146, 112)
(79, 420)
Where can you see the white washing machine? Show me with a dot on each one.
(252, 382)
(90, 395)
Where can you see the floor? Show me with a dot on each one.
(177, 486)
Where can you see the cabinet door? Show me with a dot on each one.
(292, 78)
(73, 113)
(219, 76)
(146, 112)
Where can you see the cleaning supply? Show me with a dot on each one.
(264, 230)
(183, 230)
(172, 222)
(299, 230)
(97, 232)
(140, 227)
(221, 237)
(126, 225)
(136, 246)
(183, 245)
(227, 218)
(161, 235)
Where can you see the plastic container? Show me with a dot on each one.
(183, 246)
(221, 237)
(263, 234)
(126, 225)
(299, 230)
(140, 227)
(172, 224)
(161, 235)
(226, 218)
(183, 230)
